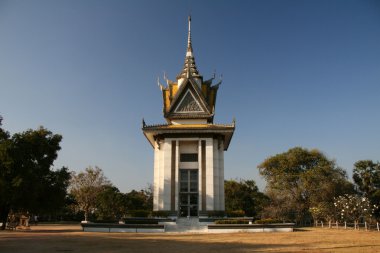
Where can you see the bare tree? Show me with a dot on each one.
(86, 186)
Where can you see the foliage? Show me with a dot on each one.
(216, 213)
(139, 200)
(86, 188)
(323, 211)
(235, 213)
(243, 197)
(111, 204)
(267, 221)
(230, 221)
(354, 207)
(299, 179)
(27, 182)
(139, 213)
(140, 221)
(162, 214)
(366, 176)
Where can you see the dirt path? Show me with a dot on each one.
(71, 239)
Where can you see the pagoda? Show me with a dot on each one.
(189, 148)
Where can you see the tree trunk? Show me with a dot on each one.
(4, 211)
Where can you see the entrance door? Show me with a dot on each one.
(188, 194)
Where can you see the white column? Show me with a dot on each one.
(200, 174)
(221, 177)
(156, 178)
(167, 150)
(176, 174)
(216, 175)
(160, 193)
(209, 175)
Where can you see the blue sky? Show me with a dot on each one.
(295, 73)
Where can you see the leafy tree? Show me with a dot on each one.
(27, 182)
(244, 195)
(300, 179)
(111, 203)
(366, 176)
(138, 200)
(86, 187)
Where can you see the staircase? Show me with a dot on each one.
(187, 225)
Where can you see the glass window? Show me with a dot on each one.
(189, 157)
(193, 186)
(183, 199)
(184, 187)
(194, 175)
(184, 175)
(194, 199)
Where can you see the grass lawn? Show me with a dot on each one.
(70, 238)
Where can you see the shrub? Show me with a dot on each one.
(139, 213)
(235, 221)
(236, 213)
(160, 214)
(215, 213)
(267, 221)
(137, 221)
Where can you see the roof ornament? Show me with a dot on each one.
(189, 68)
(143, 123)
(160, 84)
(168, 82)
(220, 81)
(189, 46)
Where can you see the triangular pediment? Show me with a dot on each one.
(188, 104)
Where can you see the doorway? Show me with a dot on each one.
(188, 193)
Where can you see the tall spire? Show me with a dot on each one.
(189, 68)
(189, 46)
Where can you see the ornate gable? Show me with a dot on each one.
(188, 104)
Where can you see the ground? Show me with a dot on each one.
(70, 238)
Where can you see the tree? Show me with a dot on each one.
(86, 187)
(353, 207)
(138, 200)
(300, 179)
(27, 181)
(111, 203)
(244, 195)
(366, 176)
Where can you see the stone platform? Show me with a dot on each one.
(187, 225)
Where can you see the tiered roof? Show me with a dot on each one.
(189, 97)
(189, 106)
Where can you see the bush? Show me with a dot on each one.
(216, 213)
(137, 221)
(236, 213)
(235, 221)
(106, 221)
(163, 214)
(267, 221)
(139, 213)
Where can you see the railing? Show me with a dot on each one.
(349, 225)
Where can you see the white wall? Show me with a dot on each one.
(214, 172)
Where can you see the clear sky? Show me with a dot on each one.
(295, 73)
